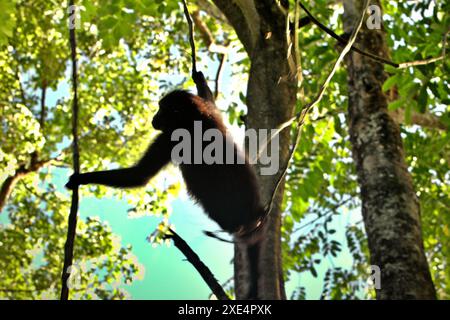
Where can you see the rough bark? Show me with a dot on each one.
(240, 23)
(390, 207)
(271, 95)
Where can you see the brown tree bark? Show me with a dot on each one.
(390, 207)
(271, 96)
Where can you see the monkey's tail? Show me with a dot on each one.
(253, 251)
(245, 235)
(251, 238)
(253, 234)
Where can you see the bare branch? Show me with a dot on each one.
(202, 269)
(222, 60)
(325, 214)
(43, 114)
(207, 36)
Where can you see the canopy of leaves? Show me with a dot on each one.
(130, 53)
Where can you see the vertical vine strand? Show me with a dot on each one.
(72, 223)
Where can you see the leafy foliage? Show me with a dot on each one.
(130, 53)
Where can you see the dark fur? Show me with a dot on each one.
(228, 193)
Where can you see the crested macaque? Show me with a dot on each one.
(228, 192)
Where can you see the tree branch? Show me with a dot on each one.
(211, 45)
(223, 57)
(304, 22)
(203, 89)
(238, 21)
(43, 114)
(202, 269)
(325, 214)
(211, 10)
(207, 36)
(368, 54)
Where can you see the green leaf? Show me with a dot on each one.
(408, 113)
(109, 22)
(390, 82)
(396, 104)
(422, 99)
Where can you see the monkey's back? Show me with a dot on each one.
(229, 193)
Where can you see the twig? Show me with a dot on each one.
(222, 59)
(207, 36)
(72, 224)
(325, 214)
(193, 258)
(428, 61)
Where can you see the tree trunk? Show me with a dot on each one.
(271, 96)
(390, 207)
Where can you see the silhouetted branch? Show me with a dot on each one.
(222, 58)
(193, 258)
(191, 37)
(72, 227)
(368, 54)
(202, 86)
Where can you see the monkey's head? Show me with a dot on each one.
(178, 109)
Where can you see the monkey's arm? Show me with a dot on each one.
(154, 159)
(203, 89)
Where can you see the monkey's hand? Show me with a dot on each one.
(74, 181)
(198, 77)
(203, 89)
